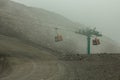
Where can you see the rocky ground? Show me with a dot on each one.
(24, 31)
(73, 67)
(24, 61)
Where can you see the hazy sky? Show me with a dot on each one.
(103, 14)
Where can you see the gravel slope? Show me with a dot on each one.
(26, 60)
(37, 26)
(30, 63)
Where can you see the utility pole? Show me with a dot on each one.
(89, 33)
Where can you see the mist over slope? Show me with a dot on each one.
(38, 26)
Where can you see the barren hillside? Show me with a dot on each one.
(37, 26)
(27, 46)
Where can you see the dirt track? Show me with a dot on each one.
(31, 63)
(95, 67)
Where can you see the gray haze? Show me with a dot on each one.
(103, 14)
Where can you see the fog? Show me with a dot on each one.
(102, 14)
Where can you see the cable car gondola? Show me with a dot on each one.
(96, 41)
(58, 37)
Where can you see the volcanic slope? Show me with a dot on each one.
(38, 26)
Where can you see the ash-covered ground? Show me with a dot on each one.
(72, 67)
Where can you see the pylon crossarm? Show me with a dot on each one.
(89, 33)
